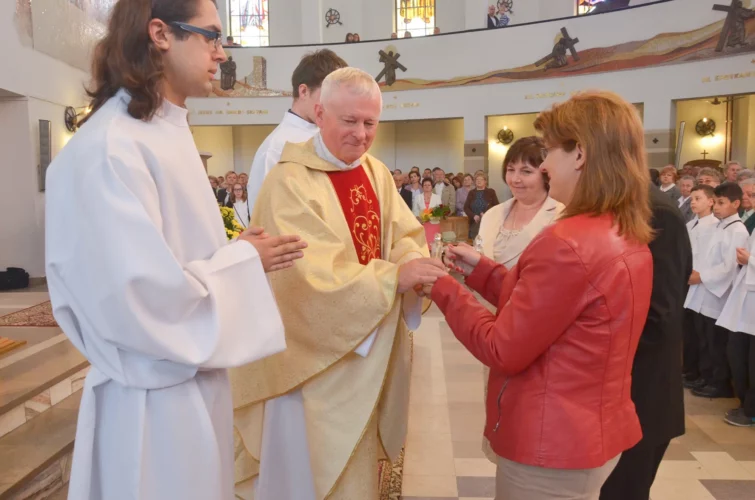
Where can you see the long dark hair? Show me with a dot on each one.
(126, 58)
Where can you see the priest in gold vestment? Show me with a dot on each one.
(312, 422)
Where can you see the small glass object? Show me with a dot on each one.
(436, 250)
(478, 243)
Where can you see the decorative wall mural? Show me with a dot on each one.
(67, 30)
(662, 49)
(254, 84)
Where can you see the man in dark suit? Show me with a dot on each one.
(492, 19)
(748, 203)
(686, 183)
(656, 374)
(405, 193)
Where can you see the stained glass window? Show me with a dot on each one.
(586, 6)
(249, 22)
(415, 16)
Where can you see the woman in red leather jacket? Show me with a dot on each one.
(570, 314)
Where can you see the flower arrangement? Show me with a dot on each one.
(435, 214)
(232, 228)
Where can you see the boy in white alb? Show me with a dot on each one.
(699, 228)
(738, 317)
(716, 273)
(298, 123)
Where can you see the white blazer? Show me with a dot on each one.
(419, 202)
(491, 223)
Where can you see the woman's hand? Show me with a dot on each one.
(476, 218)
(463, 258)
(694, 278)
(743, 256)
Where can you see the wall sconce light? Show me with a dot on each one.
(74, 116)
(704, 127)
(505, 136)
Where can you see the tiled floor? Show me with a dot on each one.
(712, 461)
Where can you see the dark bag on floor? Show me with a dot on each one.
(13, 279)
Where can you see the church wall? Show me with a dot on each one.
(430, 144)
(219, 142)
(694, 144)
(246, 141)
(449, 15)
(510, 50)
(384, 145)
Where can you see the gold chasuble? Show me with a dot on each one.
(343, 292)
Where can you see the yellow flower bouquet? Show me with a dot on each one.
(232, 228)
(434, 215)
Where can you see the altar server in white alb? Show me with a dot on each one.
(716, 272)
(298, 123)
(142, 278)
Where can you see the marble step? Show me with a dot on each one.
(36, 455)
(34, 384)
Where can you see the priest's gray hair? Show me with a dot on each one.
(747, 182)
(352, 79)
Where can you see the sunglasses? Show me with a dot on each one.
(214, 37)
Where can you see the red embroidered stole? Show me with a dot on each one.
(362, 211)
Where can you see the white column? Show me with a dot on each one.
(475, 144)
(660, 131)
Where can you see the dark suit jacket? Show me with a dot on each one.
(221, 196)
(686, 210)
(656, 381)
(492, 23)
(407, 196)
(750, 223)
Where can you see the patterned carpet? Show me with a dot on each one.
(39, 315)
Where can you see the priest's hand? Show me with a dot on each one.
(276, 252)
(694, 278)
(463, 258)
(419, 272)
(743, 256)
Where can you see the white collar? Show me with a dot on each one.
(294, 120)
(324, 153)
(168, 111)
(730, 218)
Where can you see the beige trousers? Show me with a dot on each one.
(515, 481)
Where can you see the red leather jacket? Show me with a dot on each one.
(561, 345)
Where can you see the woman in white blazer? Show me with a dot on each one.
(426, 199)
(508, 228)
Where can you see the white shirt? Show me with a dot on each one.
(747, 214)
(738, 314)
(667, 188)
(144, 282)
(292, 128)
(717, 265)
(438, 189)
(682, 200)
(242, 213)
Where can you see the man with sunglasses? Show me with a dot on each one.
(142, 278)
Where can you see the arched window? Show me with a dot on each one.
(248, 22)
(415, 16)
